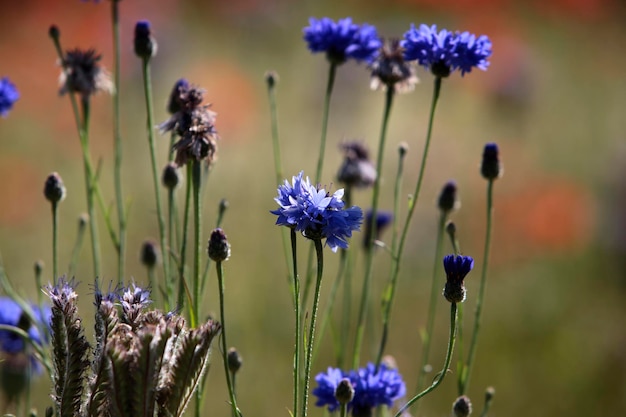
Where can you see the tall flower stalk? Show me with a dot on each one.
(117, 140)
(490, 170)
(145, 48)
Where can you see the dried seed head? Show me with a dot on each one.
(83, 75)
(389, 70)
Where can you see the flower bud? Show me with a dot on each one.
(149, 254)
(271, 78)
(219, 248)
(490, 168)
(344, 393)
(170, 177)
(456, 267)
(448, 197)
(145, 44)
(403, 149)
(54, 32)
(462, 407)
(54, 190)
(234, 360)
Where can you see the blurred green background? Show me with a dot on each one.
(554, 99)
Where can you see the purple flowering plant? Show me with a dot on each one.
(151, 343)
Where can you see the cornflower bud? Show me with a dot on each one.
(170, 177)
(219, 248)
(448, 197)
(149, 254)
(54, 190)
(234, 360)
(344, 393)
(462, 407)
(145, 44)
(490, 167)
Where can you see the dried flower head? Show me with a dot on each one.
(8, 96)
(175, 103)
(54, 190)
(193, 123)
(390, 70)
(356, 170)
(456, 267)
(316, 213)
(443, 52)
(342, 40)
(82, 74)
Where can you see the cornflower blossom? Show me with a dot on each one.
(8, 96)
(316, 213)
(443, 52)
(342, 40)
(372, 388)
(456, 267)
(11, 314)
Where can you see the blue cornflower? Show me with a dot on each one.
(443, 51)
(342, 40)
(316, 213)
(8, 96)
(11, 314)
(326, 385)
(372, 388)
(456, 267)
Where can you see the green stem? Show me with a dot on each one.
(343, 410)
(231, 389)
(197, 218)
(147, 84)
(481, 293)
(55, 228)
(171, 219)
(71, 269)
(369, 268)
(390, 290)
(460, 349)
(446, 365)
(319, 249)
(152, 278)
(90, 187)
(298, 333)
(117, 139)
(435, 289)
(396, 259)
(183, 241)
(320, 165)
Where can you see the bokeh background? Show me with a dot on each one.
(554, 99)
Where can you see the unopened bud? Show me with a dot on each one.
(448, 197)
(462, 407)
(344, 393)
(490, 168)
(219, 248)
(170, 177)
(54, 32)
(54, 190)
(149, 253)
(145, 44)
(234, 360)
(403, 148)
(271, 78)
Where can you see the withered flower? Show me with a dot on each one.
(390, 70)
(82, 74)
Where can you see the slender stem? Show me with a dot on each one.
(298, 333)
(319, 249)
(369, 262)
(446, 365)
(183, 241)
(391, 287)
(117, 139)
(147, 84)
(152, 278)
(278, 170)
(459, 342)
(435, 289)
(396, 259)
(481, 293)
(197, 218)
(171, 219)
(71, 269)
(332, 70)
(343, 410)
(205, 274)
(55, 225)
(90, 186)
(231, 389)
